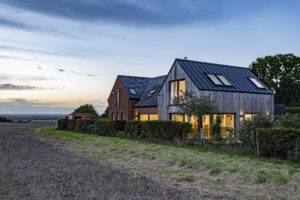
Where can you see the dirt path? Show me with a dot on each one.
(33, 169)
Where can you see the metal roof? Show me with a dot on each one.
(143, 86)
(237, 76)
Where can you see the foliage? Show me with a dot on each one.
(133, 128)
(215, 128)
(83, 125)
(62, 124)
(288, 121)
(109, 128)
(288, 92)
(230, 137)
(292, 110)
(272, 69)
(165, 130)
(277, 141)
(3, 119)
(258, 121)
(105, 114)
(190, 104)
(87, 108)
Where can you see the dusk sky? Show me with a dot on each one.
(58, 54)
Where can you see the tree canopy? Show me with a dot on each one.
(105, 114)
(273, 70)
(87, 108)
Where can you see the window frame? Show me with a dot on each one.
(225, 80)
(256, 83)
(139, 114)
(222, 83)
(133, 90)
(177, 92)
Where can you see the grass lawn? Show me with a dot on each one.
(193, 167)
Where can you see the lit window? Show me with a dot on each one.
(249, 116)
(214, 79)
(255, 82)
(227, 120)
(224, 80)
(151, 93)
(132, 91)
(144, 117)
(177, 89)
(153, 117)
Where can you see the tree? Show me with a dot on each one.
(288, 92)
(105, 114)
(189, 103)
(273, 69)
(87, 108)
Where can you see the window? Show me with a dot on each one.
(193, 121)
(227, 121)
(224, 80)
(177, 88)
(255, 82)
(151, 93)
(249, 116)
(214, 79)
(132, 91)
(117, 117)
(112, 116)
(122, 116)
(143, 117)
(117, 98)
(153, 117)
(146, 117)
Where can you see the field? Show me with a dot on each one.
(47, 163)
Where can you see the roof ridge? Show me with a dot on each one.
(133, 76)
(224, 65)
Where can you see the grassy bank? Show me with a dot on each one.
(192, 164)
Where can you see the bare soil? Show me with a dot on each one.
(31, 168)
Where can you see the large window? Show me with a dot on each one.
(148, 117)
(177, 88)
(117, 98)
(227, 121)
(249, 116)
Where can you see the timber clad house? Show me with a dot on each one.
(238, 93)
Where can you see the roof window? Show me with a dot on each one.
(132, 91)
(224, 80)
(214, 79)
(255, 82)
(151, 93)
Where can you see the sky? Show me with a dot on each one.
(58, 55)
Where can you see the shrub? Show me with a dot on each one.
(165, 130)
(259, 121)
(288, 121)
(292, 110)
(133, 128)
(82, 125)
(3, 119)
(109, 128)
(215, 128)
(62, 124)
(278, 141)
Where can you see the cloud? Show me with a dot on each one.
(139, 12)
(39, 68)
(8, 86)
(61, 70)
(15, 24)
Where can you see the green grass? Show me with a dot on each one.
(186, 159)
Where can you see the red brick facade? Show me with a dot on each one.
(125, 111)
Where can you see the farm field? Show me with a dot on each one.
(47, 163)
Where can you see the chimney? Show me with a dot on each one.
(185, 58)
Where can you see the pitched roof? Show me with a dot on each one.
(237, 76)
(149, 97)
(143, 87)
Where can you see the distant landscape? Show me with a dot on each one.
(33, 116)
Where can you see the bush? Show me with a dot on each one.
(83, 125)
(3, 119)
(259, 121)
(279, 141)
(109, 128)
(165, 130)
(288, 121)
(133, 128)
(215, 128)
(292, 110)
(62, 124)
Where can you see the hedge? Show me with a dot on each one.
(62, 124)
(133, 128)
(165, 130)
(83, 125)
(279, 141)
(292, 110)
(109, 128)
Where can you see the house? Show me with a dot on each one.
(134, 98)
(83, 116)
(238, 93)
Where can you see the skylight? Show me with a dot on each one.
(214, 79)
(132, 91)
(255, 82)
(224, 80)
(150, 93)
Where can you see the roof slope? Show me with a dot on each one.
(149, 97)
(237, 76)
(143, 86)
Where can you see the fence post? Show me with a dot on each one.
(257, 144)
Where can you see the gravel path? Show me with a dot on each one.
(33, 169)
